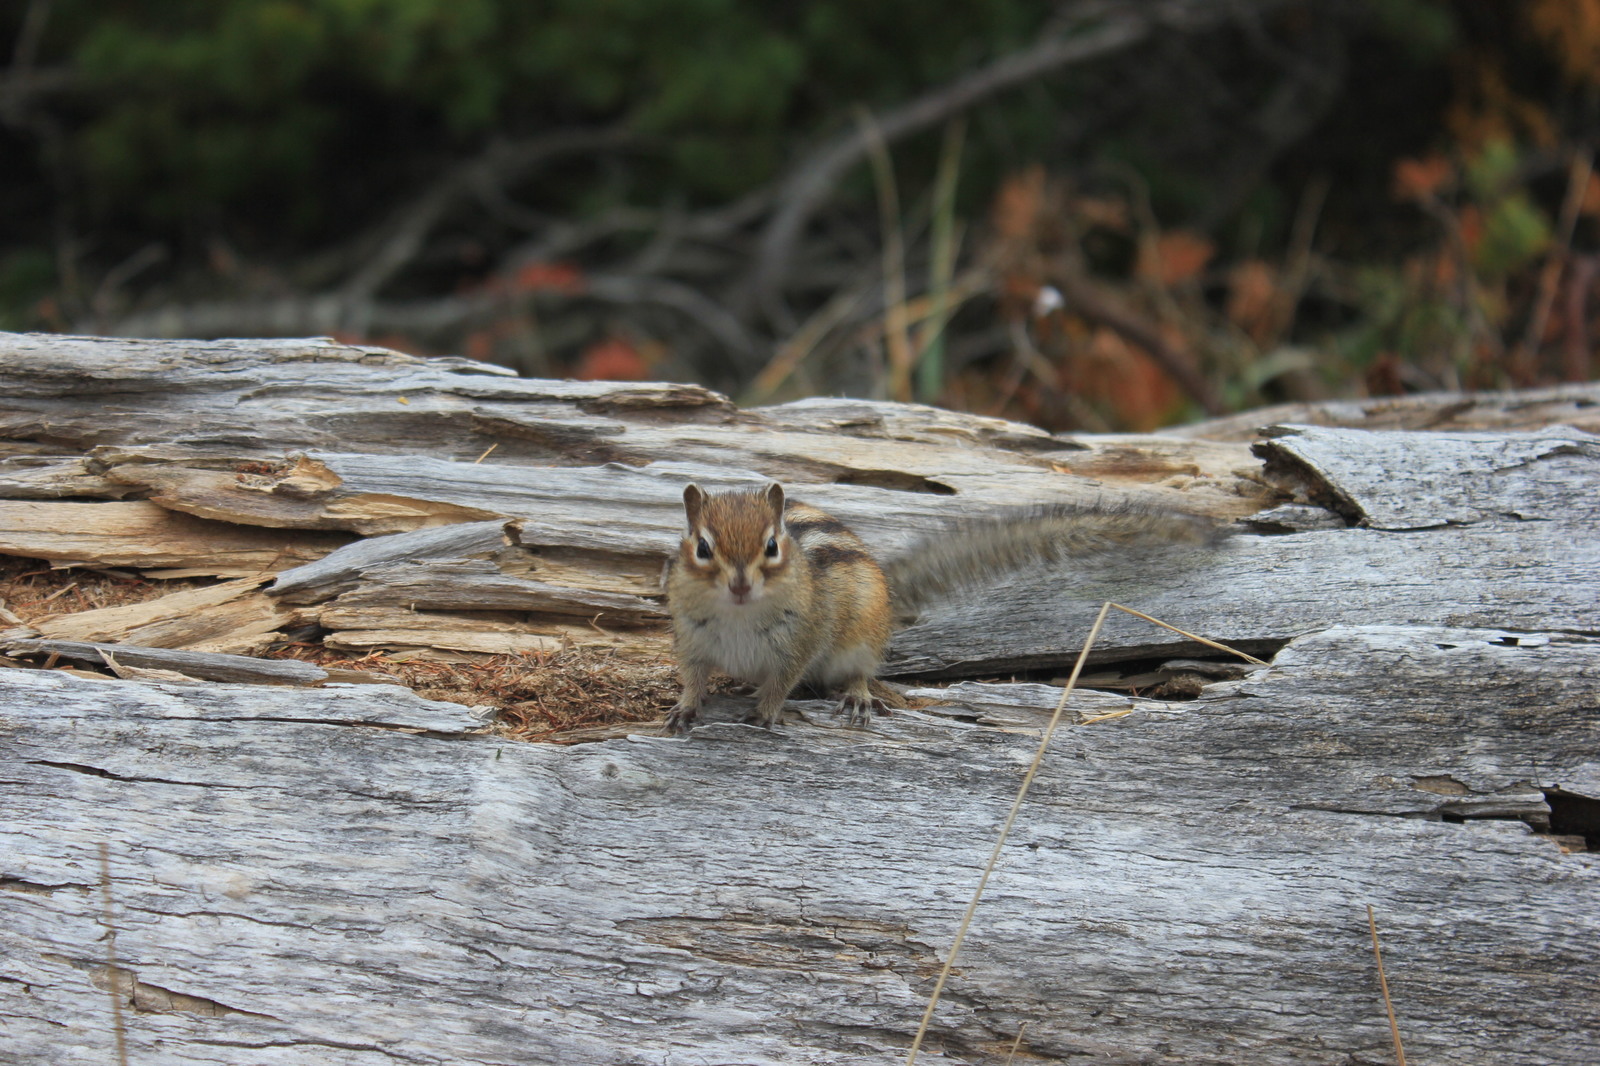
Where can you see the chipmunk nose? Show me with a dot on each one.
(739, 586)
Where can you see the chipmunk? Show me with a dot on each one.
(776, 592)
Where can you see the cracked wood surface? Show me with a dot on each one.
(1453, 529)
(369, 878)
(570, 513)
(354, 875)
(571, 491)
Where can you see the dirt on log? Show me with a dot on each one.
(213, 854)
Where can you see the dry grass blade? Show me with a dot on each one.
(802, 343)
(1383, 983)
(1016, 1043)
(113, 974)
(1192, 636)
(1005, 831)
(1022, 792)
(941, 267)
(896, 323)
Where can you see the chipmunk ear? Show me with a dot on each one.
(694, 498)
(775, 501)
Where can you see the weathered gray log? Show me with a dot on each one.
(289, 442)
(141, 534)
(1410, 481)
(356, 876)
(205, 666)
(1458, 530)
(1187, 881)
(1576, 405)
(232, 617)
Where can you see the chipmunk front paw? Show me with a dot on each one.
(680, 719)
(858, 710)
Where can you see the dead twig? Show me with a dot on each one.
(810, 184)
(1526, 357)
(113, 971)
(1005, 831)
(896, 335)
(1575, 344)
(400, 238)
(1383, 983)
(62, 591)
(1084, 299)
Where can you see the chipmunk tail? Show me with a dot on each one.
(968, 553)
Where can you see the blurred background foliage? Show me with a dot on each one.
(1091, 214)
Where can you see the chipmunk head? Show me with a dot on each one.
(736, 540)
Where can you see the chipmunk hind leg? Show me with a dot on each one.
(848, 671)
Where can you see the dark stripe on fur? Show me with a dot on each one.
(799, 527)
(834, 555)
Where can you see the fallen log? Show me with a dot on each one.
(316, 872)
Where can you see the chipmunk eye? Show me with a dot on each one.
(702, 550)
(772, 547)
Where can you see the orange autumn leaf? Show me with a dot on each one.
(479, 346)
(559, 277)
(1571, 29)
(1175, 257)
(1018, 203)
(1421, 179)
(1590, 203)
(1253, 298)
(1384, 376)
(1125, 379)
(612, 359)
(1436, 270)
(1103, 211)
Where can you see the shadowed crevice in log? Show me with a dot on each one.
(153, 999)
(147, 998)
(95, 771)
(1302, 481)
(1574, 815)
(893, 480)
(17, 884)
(1533, 819)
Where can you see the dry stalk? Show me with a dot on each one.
(113, 973)
(1005, 831)
(896, 324)
(1383, 983)
(1016, 1043)
(1022, 792)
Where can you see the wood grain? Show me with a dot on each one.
(307, 872)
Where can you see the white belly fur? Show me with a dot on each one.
(740, 649)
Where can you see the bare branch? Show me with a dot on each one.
(22, 80)
(402, 236)
(1099, 30)
(331, 312)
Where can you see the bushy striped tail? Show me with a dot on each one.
(969, 553)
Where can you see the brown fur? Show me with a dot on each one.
(817, 609)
